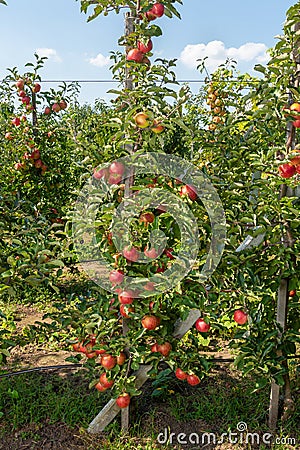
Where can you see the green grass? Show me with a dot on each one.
(32, 401)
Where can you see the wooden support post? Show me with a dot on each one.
(283, 290)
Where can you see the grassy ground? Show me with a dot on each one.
(52, 411)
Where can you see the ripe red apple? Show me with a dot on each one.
(125, 310)
(295, 161)
(105, 382)
(296, 123)
(286, 170)
(123, 400)
(102, 173)
(55, 107)
(36, 88)
(145, 48)
(20, 84)
(35, 154)
(26, 100)
(126, 297)
(141, 120)
(193, 379)
(108, 361)
(157, 127)
(131, 253)
(63, 104)
(47, 110)
(91, 355)
(180, 374)
(168, 253)
(158, 9)
(100, 387)
(154, 348)
(187, 190)
(76, 347)
(116, 277)
(149, 286)
(38, 163)
(202, 326)
(147, 217)
(152, 253)
(240, 317)
(165, 348)
(22, 93)
(135, 55)
(160, 269)
(116, 168)
(16, 121)
(114, 178)
(292, 293)
(121, 359)
(150, 322)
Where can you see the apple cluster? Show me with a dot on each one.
(32, 159)
(55, 107)
(216, 103)
(23, 86)
(138, 54)
(291, 168)
(143, 120)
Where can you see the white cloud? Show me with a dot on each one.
(217, 54)
(99, 61)
(50, 53)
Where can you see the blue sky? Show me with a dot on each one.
(80, 50)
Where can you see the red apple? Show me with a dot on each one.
(76, 347)
(152, 253)
(158, 9)
(19, 166)
(202, 326)
(154, 348)
(150, 322)
(135, 55)
(63, 104)
(22, 94)
(121, 359)
(180, 374)
(108, 361)
(187, 190)
(26, 100)
(125, 310)
(20, 84)
(131, 253)
(126, 297)
(240, 317)
(100, 387)
(286, 170)
(123, 400)
(295, 161)
(147, 217)
(38, 163)
(35, 154)
(168, 253)
(116, 277)
(105, 382)
(47, 110)
(16, 121)
(116, 168)
(149, 286)
(55, 107)
(292, 293)
(165, 348)
(193, 379)
(36, 88)
(296, 123)
(145, 48)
